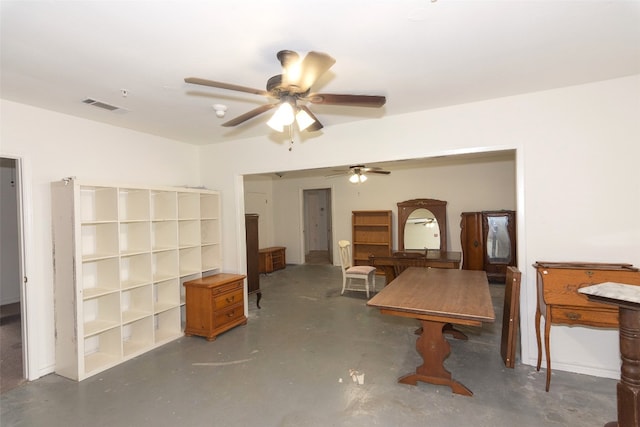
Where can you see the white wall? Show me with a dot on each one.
(470, 185)
(53, 146)
(576, 165)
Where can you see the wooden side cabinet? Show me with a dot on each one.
(488, 241)
(272, 259)
(214, 305)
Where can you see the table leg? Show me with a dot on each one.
(434, 349)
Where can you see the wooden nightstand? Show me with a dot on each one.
(214, 305)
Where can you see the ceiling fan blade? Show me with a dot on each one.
(315, 126)
(249, 115)
(305, 73)
(229, 86)
(377, 171)
(351, 100)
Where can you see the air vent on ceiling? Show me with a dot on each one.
(100, 104)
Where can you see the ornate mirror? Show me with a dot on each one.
(422, 224)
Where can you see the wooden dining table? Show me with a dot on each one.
(437, 297)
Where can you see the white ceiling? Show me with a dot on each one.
(420, 54)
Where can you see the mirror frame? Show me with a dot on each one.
(437, 207)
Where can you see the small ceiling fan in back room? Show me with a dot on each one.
(358, 173)
(291, 90)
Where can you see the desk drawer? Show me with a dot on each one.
(561, 285)
(598, 317)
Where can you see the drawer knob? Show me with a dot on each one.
(230, 314)
(573, 316)
(230, 299)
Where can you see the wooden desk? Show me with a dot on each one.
(392, 266)
(437, 297)
(560, 303)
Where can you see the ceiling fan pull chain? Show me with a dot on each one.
(290, 137)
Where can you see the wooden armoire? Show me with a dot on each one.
(253, 247)
(489, 242)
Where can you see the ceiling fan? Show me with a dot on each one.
(359, 173)
(290, 87)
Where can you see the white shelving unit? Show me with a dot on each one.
(121, 257)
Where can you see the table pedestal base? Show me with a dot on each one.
(628, 388)
(434, 349)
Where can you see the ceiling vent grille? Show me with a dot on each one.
(100, 104)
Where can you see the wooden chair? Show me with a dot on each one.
(510, 317)
(365, 273)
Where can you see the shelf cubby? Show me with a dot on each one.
(188, 233)
(135, 237)
(210, 257)
(163, 205)
(209, 206)
(136, 303)
(101, 313)
(164, 235)
(209, 231)
(166, 295)
(190, 261)
(98, 204)
(165, 265)
(99, 240)
(133, 204)
(167, 325)
(188, 205)
(137, 336)
(102, 351)
(100, 277)
(135, 270)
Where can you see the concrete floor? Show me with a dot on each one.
(289, 366)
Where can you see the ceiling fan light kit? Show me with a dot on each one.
(357, 173)
(358, 178)
(293, 85)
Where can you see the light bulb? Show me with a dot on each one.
(354, 178)
(282, 117)
(275, 124)
(303, 119)
(363, 178)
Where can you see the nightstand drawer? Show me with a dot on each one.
(225, 300)
(228, 316)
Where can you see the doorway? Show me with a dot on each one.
(12, 367)
(317, 226)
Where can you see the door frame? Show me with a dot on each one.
(24, 216)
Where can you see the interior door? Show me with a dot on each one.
(317, 221)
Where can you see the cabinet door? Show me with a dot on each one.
(472, 241)
(499, 243)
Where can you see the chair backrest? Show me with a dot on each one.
(345, 254)
(510, 317)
